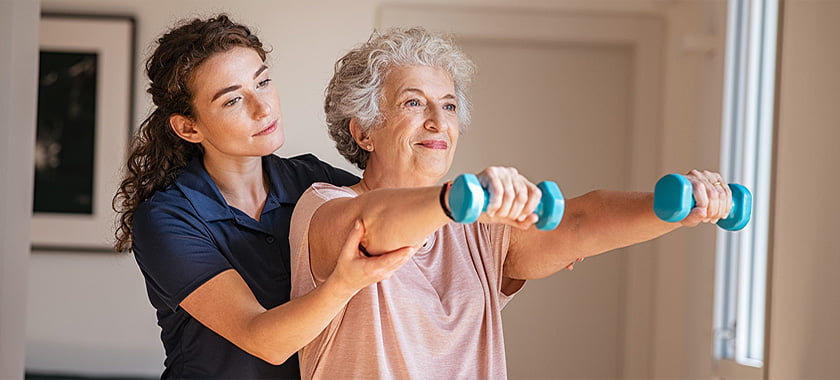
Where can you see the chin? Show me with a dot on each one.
(276, 145)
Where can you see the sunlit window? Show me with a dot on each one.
(746, 159)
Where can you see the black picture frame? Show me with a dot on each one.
(85, 112)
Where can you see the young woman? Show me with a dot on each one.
(205, 206)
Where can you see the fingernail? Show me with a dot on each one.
(357, 225)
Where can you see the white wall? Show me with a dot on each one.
(18, 63)
(805, 304)
(88, 312)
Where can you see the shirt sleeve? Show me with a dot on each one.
(175, 251)
(303, 280)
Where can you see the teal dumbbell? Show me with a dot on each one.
(468, 199)
(673, 199)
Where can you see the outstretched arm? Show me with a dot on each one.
(398, 217)
(602, 220)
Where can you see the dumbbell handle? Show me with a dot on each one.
(468, 199)
(673, 200)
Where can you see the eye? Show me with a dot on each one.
(263, 83)
(450, 107)
(413, 103)
(233, 101)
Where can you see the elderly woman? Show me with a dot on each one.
(395, 108)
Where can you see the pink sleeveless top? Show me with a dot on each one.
(437, 317)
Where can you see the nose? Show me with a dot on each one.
(436, 120)
(261, 107)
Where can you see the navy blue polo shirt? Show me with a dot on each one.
(187, 234)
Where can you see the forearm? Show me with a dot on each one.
(278, 333)
(594, 223)
(226, 305)
(615, 219)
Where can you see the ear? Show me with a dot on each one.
(361, 138)
(184, 127)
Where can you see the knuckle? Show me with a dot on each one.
(508, 195)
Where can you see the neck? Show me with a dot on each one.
(241, 181)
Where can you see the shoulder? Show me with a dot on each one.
(315, 196)
(295, 174)
(165, 203)
(318, 194)
(329, 191)
(165, 214)
(307, 167)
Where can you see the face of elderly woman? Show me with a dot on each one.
(420, 129)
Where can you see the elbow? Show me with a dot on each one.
(535, 274)
(275, 358)
(270, 352)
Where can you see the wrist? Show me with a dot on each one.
(444, 200)
(338, 288)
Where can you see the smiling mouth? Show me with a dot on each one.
(434, 144)
(270, 128)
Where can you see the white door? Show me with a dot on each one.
(559, 112)
(558, 97)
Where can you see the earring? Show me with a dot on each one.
(369, 148)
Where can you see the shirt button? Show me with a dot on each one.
(269, 239)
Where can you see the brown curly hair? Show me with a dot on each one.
(157, 155)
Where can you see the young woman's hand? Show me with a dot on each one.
(355, 271)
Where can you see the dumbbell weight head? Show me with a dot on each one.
(467, 198)
(552, 206)
(672, 198)
(741, 211)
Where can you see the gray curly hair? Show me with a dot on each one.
(355, 89)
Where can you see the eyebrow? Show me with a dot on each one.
(419, 91)
(236, 87)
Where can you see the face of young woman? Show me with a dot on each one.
(420, 129)
(236, 105)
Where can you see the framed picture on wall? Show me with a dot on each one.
(85, 82)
